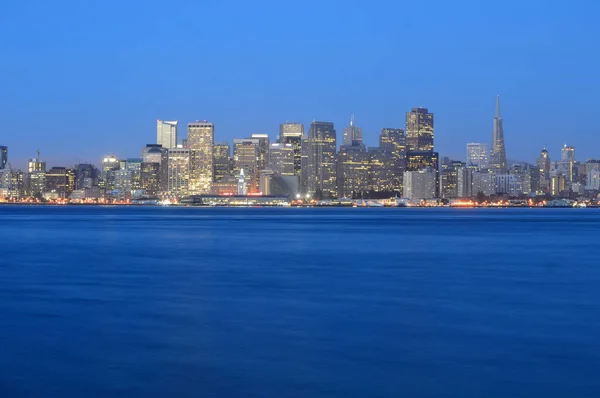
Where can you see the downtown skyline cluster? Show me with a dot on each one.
(310, 164)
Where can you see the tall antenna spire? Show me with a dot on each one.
(351, 119)
(498, 107)
(38, 155)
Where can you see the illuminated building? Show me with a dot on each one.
(557, 184)
(150, 178)
(484, 183)
(393, 141)
(567, 160)
(242, 186)
(418, 160)
(508, 184)
(154, 153)
(320, 171)
(12, 183)
(166, 133)
(498, 150)
(524, 172)
(178, 174)
(36, 164)
(449, 179)
(544, 164)
(384, 175)
(236, 200)
(477, 156)
(123, 182)
(352, 171)
(3, 157)
(61, 181)
(134, 166)
(420, 185)
(292, 133)
(200, 142)
(281, 158)
(221, 160)
(464, 185)
(86, 176)
(227, 185)
(263, 150)
(592, 175)
(419, 130)
(352, 134)
(245, 158)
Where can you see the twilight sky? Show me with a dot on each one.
(80, 79)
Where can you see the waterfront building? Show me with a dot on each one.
(227, 185)
(280, 185)
(449, 179)
(200, 142)
(166, 133)
(178, 173)
(508, 184)
(12, 183)
(134, 166)
(61, 181)
(477, 156)
(319, 171)
(544, 165)
(352, 135)
(420, 185)
(419, 160)
(86, 176)
(525, 174)
(557, 184)
(419, 130)
(150, 178)
(292, 133)
(221, 160)
(484, 183)
(498, 162)
(154, 153)
(464, 185)
(123, 183)
(246, 158)
(281, 158)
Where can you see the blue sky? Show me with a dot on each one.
(82, 79)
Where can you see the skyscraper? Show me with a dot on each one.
(166, 133)
(393, 142)
(245, 161)
(544, 165)
(320, 170)
(498, 151)
(221, 160)
(419, 185)
(281, 158)
(155, 153)
(352, 134)
(179, 171)
(292, 133)
(477, 155)
(3, 157)
(200, 142)
(567, 159)
(263, 150)
(419, 130)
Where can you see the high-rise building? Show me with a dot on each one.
(508, 184)
(420, 185)
(166, 133)
(592, 170)
(246, 159)
(393, 142)
(353, 168)
(36, 164)
(12, 183)
(477, 155)
(281, 158)
(498, 162)
(134, 166)
(320, 171)
(292, 133)
(179, 171)
(465, 182)
(557, 184)
(524, 173)
(61, 181)
(419, 130)
(352, 134)
(200, 142)
(567, 159)
(484, 183)
(544, 165)
(263, 150)
(150, 178)
(221, 160)
(449, 179)
(35, 183)
(155, 153)
(418, 160)
(3, 157)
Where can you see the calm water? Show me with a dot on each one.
(176, 302)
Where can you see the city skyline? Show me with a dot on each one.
(89, 75)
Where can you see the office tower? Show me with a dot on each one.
(200, 142)
(419, 130)
(178, 171)
(393, 142)
(320, 171)
(61, 181)
(353, 168)
(123, 182)
(134, 166)
(86, 176)
(477, 155)
(464, 186)
(557, 184)
(12, 183)
(35, 183)
(155, 153)
(281, 158)
(508, 184)
(352, 134)
(498, 151)
(544, 164)
(420, 185)
(263, 150)
(449, 179)
(292, 133)
(567, 158)
(221, 160)
(150, 178)
(384, 175)
(109, 164)
(418, 160)
(3, 157)
(592, 171)
(166, 133)
(36, 164)
(246, 158)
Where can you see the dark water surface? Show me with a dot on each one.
(179, 302)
